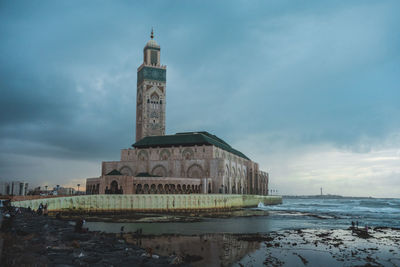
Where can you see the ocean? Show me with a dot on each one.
(336, 212)
(294, 213)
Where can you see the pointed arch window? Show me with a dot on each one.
(154, 101)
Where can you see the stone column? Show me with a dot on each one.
(204, 185)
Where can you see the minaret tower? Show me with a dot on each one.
(151, 90)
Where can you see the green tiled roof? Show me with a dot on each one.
(114, 172)
(187, 139)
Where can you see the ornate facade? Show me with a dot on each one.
(151, 90)
(192, 162)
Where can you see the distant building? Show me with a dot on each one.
(35, 191)
(14, 188)
(183, 163)
(65, 191)
(56, 191)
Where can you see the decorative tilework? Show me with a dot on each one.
(149, 73)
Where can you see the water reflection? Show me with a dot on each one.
(207, 226)
(213, 242)
(201, 250)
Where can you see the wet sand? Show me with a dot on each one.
(146, 217)
(307, 247)
(44, 241)
(202, 241)
(311, 247)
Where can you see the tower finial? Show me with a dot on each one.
(152, 33)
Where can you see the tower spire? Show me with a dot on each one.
(151, 86)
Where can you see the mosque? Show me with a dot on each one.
(182, 163)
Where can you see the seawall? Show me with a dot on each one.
(149, 202)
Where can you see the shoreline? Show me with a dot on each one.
(32, 240)
(333, 247)
(149, 217)
(41, 240)
(311, 247)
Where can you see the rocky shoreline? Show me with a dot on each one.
(31, 240)
(379, 246)
(301, 247)
(147, 217)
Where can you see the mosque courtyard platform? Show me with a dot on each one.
(163, 203)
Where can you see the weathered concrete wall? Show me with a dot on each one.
(156, 203)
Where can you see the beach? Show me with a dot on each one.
(311, 247)
(32, 240)
(301, 232)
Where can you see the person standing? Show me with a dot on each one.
(122, 231)
(40, 209)
(78, 225)
(45, 212)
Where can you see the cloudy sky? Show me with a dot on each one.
(309, 89)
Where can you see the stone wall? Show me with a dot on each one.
(156, 203)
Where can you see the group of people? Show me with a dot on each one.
(42, 210)
(354, 227)
(354, 224)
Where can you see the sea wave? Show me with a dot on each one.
(377, 210)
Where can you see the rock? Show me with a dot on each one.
(91, 259)
(176, 260)
(75, 236)
(192, 258)
(60, 259)
(75, 244)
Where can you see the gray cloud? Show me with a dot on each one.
(296, 75)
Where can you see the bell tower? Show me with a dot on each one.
(151, 90)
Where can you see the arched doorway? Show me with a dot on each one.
(139, 189)
(114, 187)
